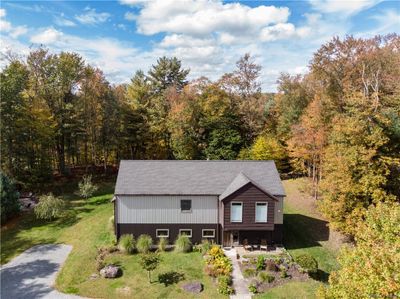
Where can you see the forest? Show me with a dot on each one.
(339, 125)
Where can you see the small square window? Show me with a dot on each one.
(208, 233)
(186, 205)
(162, 233)
(186, 232)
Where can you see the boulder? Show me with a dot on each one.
(193, 287)
(111, 271)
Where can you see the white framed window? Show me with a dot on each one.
(236, 211)
(261, 212)
(186, 205)
(186, 232)
(162, 233)
(208, 233)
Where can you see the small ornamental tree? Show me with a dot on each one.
(49, 207)
(8, 198)
(86, 187)
(150, 262)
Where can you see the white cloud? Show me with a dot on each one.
(130, 16)
(388, 21)
(6, 27)
(47, 36)
(91, 17)
(62, 21)
(200, 17)
(132, 2)
(19, 30)
(341, 7)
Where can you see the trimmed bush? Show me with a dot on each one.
(260, 263)
(127, 244)
(249, 272)
(144, 243)
(162, 244)
(307, 262)
(183, 244)
(266, 277)
(49, 207)
(284, 273)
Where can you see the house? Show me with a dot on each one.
(228, 202)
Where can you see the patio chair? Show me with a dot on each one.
(264, 245)
(246, 245)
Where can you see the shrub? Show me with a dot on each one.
(249, 272)
(253, 288)
(284, 273)
(49, 207)
(260, 263)
(162, 244)
(307, 262)
(224, 285)
(8, 198)
(126, 244)
(204, 246)
(270, 265)
(215, 252)
(86, 187)
(144, 243)
(266, 277)
(183, 244)
(217, 262)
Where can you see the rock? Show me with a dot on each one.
(111, 271)
(193, 287)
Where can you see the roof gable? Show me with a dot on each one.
(195, 177)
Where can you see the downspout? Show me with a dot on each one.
(218, 241)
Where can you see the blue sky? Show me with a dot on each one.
(208, 36)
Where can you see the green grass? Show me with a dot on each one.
(85, 227)
(298, 290)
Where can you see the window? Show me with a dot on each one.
(187, 232)
(208, 233)
(236, 211)
(186, 205)
(261, 211)
(162, 233)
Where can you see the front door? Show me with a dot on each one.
(235, 238)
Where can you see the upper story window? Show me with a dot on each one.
(236, 211)
(186, 205)
(261, 211)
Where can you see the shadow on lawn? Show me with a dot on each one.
(302, 231)
(171, 277)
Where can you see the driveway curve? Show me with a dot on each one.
(33, 273)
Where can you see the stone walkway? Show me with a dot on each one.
(239, 283)
(32, 274)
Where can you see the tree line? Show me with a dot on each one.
(338, 124)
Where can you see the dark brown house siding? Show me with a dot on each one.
(248, 195)
(138, 229)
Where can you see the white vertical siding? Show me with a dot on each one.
(278, 211)
(166, 209)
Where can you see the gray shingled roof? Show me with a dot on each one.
(195, 177)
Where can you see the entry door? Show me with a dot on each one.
(235, 238)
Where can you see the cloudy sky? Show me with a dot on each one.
(208, 36)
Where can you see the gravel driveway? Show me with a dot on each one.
(32, 274)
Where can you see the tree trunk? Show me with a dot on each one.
(61, 154)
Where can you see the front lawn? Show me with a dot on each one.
(295, 290)
(85, 227)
